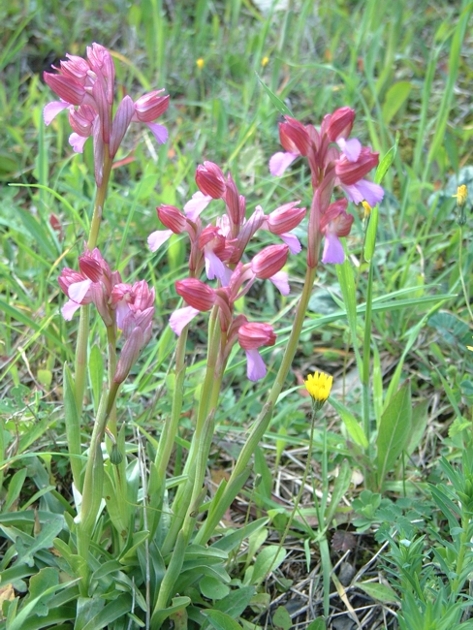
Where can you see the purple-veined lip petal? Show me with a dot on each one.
(280, 281)
(78, 290)
(51, 110)
(196, 204)
(159, 132)
(255, 369)
(351, 148)
(77, 142)
(68, 310)
(180, 318)
(292, 242)
(157, 238)
(280, 161)
(333, 250)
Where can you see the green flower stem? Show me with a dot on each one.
(112, 366)
(92, 490)
(264, 418)
(365, 374)
(207, 395)
(83, 333)
(184, 534)
(168, 435)
(460, 272)
(320, 510)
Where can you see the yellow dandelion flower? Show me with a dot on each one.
(319, 385)
(461, 195)
(200, 63)
(265, 61)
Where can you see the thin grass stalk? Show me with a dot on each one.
(453, 66)
(366, 370)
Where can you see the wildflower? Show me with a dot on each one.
(200, 63)
(252, 336)
(461, 195)
(92, 284)
(335, 222)
(265, 61)
(134, 308)
(350, 176)
(319, 386)
(86, 89)
(334, 160)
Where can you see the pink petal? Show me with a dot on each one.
(51, 110)
(196, 204)
(351, 148)
(68, 310)
(280, 162)
(180, 318)
(156, 239)
(372, 193)
(292, 242)
(78, 290)
(280, 281)
(214, 267)
(333, 250)
(77, 142)
(159, 132)
(255, 369)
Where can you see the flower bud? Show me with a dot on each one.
(120, 124)
(210, 180)
(340, 123)
(150, 106)
(66, 88)
(255, 334)
(172, 218)
(285, 218)
(294, 136)
(196, 293)
(269, 261)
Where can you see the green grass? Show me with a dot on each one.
(404, 67)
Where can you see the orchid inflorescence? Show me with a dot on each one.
(86, 89)
(334, 160)
(219, 249)
(124, 307)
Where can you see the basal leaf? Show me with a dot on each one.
(394, 431)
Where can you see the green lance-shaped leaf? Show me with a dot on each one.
(394, 431)
(93, 489)
(161, 612)
(396, 96)
(275, 100)
(72, 427)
